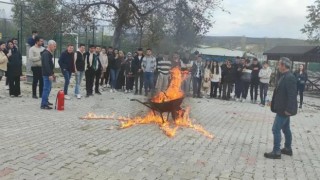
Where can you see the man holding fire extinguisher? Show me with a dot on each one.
(47, 73)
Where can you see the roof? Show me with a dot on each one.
(295, 53)
(294, 50)
(217, 51)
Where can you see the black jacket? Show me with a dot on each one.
(129, 68)
(66, 61)
(80, 61)
(47, 63)
(227, 74)
(285, 95)
(95, 57)
(137, 64)
(255, 73)
(301, 78)
(14, 64)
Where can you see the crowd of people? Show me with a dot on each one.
(111, 68)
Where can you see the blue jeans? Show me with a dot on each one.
(281, 123)
(46, 91)
(79, 76)
(148, 81)
(67, 77)
(114, 73)
(238, 88)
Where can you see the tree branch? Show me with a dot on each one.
(150, 10)
(87, 6)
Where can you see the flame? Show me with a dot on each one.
(174, 90)
(182, 119)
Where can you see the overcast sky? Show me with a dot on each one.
(254, 18)
(262, 18)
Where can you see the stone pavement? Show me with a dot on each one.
(39, 144)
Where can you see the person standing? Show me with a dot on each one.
(215, 79)
(186, 65)
(35, 58)
(228, 80)
(14, 70)
(148, 66)
(3, 60)
(66, 63)
(31, 40)
(138, 78)
(284, 104)
(121, 80)
(238, 65)
(110, 58)
(264, 76)
(197, 74)
(254, 85)
(129, 73)
(163, 66)
(176, 61)
(245, 80)
(47, 73)
(90, 71)
(115, 65)
(302, 78)
(97, 66)
(206, 82)
(104, 62)
(79, 67)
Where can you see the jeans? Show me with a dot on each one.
(138, 79)
(67, 77)
(238, 88)
(47, 84)
(148, 81)
(245, 86)
(254, 86)
(196, 86)
(263, 92)
(213, 89)
(281, 123)
(300, 89)
(114, 73)
(37, 77)
(79, 76)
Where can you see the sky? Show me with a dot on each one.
(253, 18)
(261, 18)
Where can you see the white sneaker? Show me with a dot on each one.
(79, 96)
(111, 90)
(126, 91)
(237, 100)
(7, 88)
(104, 86)
(108, 86)
(66, 97)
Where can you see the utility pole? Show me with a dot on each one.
(21, 32)
(102, 36)
(93, 31)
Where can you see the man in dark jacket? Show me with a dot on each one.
(93, 70)
(138, 71)
(255, 80)
(284, 104)
(129, 72)
(66, 63)
(47, 73)
(14, 69)
(227, 79)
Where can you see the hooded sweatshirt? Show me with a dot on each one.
(265, 74)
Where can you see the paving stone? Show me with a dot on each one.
(37, 144)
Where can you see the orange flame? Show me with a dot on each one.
(174, 90)
(170, 129)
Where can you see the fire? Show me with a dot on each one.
(181, 116)
(174, 90)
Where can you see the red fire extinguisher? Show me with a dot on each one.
(60, 101)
